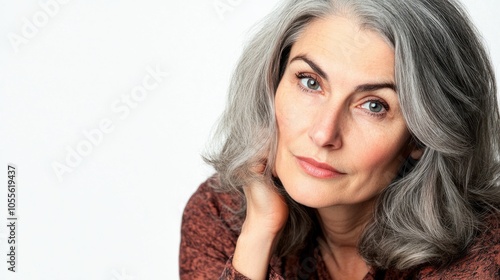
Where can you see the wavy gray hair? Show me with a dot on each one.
(446, 88)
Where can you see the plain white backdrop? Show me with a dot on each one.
(105, 108)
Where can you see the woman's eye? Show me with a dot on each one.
(310, 83)
(374, 106)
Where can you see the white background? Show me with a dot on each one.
(116, 215)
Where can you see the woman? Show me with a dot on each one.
(363, 139)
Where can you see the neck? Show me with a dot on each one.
(342, 227)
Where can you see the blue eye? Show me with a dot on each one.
(310, 83)
(375, 106)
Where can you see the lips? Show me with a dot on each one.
(317, 169)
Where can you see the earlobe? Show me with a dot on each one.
(416, 147)
(417, 153)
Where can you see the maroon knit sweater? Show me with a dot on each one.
(210, 230)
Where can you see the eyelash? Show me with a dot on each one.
(302, 75)
(382, 103)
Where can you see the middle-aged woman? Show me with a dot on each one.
(363, 138)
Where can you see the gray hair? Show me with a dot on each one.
(447, 93)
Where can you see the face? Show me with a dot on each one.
(342, 136)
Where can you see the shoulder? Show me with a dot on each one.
(210, 228)
(482, 260)
(209, 201)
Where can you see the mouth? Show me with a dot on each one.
(317, 169)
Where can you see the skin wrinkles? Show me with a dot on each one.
(360, 88)
(337, 104)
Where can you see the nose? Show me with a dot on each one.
(326, 129)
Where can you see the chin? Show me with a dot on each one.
(309, 193)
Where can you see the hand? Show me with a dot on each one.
(266, 215)
(267, 211)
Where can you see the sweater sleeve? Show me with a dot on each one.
(209, 233)
(230, 273)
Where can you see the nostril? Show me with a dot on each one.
(328, 138)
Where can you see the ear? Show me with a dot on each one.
(416, 150)
(417, 153)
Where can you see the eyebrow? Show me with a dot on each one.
(360, 88)
(374, 87)
(311, 64)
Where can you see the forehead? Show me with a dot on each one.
(340, 43)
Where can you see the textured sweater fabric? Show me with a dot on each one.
(210, 230)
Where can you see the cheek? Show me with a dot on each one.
(287, 129)
(284, 114)
(377, 150)
(382, 158)
(291, 116)
(282, 121)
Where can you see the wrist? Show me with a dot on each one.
(253, 253)
(261, 227)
